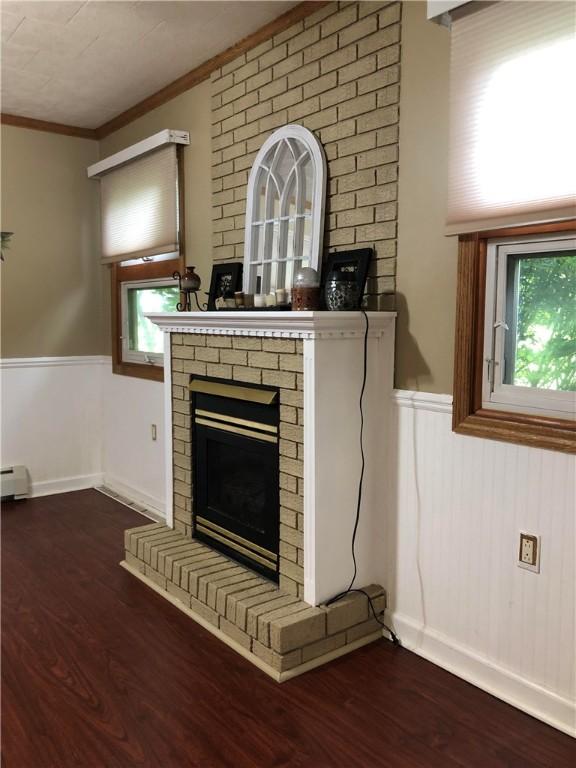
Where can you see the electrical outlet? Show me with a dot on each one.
(154, 433)
(529, 552)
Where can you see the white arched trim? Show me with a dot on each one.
(301, 144)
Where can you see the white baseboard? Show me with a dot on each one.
(65, 484)
(156, 507)
(485, 674)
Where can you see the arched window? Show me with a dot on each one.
(285, 209)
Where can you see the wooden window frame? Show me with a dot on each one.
(468, 415)
(151, 270)
(119, 274)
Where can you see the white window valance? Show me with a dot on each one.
(285, 209)
(512, 116)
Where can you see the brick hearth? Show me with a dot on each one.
(279, 632)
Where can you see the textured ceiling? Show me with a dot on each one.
(83, 63)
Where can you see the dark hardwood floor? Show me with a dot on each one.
(99, 671)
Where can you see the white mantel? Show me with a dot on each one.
(293, 325)
(333, 365)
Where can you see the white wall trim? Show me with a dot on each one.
(154, 505)
(50, 362)
(65, 485)
(462, 661)
(168, 505)
(427, 401)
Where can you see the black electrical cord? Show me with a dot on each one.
(394, 638)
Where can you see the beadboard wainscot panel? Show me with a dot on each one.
(133, 463)
(52, 420)
(457, 596)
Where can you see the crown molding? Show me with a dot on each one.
(44, 125)
(203, 71)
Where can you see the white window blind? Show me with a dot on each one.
(512, 116)
(139, 207)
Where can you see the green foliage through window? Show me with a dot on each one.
(541, 344)
(145, 336)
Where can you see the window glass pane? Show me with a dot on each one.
(290, 240)
(275, 254)
(307, 242)
(283, 164)
(308, 195)
(260, 196)
(144, 336)
(257, 242)
(540, 349)
(289, 203)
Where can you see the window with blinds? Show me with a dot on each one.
(512, 115)
(139, 207)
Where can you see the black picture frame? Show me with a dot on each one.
(357, 261)
(225, 277)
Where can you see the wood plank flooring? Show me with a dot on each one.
(98, 671)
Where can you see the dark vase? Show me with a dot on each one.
(190, 280)
(341, 291)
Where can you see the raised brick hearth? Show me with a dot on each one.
(281, 633)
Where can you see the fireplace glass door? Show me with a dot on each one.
(236, 495)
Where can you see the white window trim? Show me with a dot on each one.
(316, 151)
(497, 395)
(130, 355)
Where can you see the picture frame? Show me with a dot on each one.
(225, 277)
(357, 261)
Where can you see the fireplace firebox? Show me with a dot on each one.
(235, 471)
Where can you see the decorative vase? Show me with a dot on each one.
(190, 281)
(306, 290)
(341, 291)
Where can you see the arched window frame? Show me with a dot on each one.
(318, 159)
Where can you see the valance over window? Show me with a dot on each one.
(512, 115)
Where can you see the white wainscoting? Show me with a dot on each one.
(74, 425)
(52, 419)
(456, 595)
(133, 463)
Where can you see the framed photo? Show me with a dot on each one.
(226, 277)
(357, 262)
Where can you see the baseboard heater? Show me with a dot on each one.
(14, 483)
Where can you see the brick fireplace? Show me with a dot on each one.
(314, 362)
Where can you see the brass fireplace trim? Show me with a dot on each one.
(236, 420)
(250, 544)
(267, 562)
(253, 395)
(236, 430)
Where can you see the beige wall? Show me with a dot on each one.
(426, 270)
(52, 207)
(188, 112)
(51, 279)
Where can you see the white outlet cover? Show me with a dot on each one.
(527, 566)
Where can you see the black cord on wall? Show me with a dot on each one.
(394, 638)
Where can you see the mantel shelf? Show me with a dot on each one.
(295, 325)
